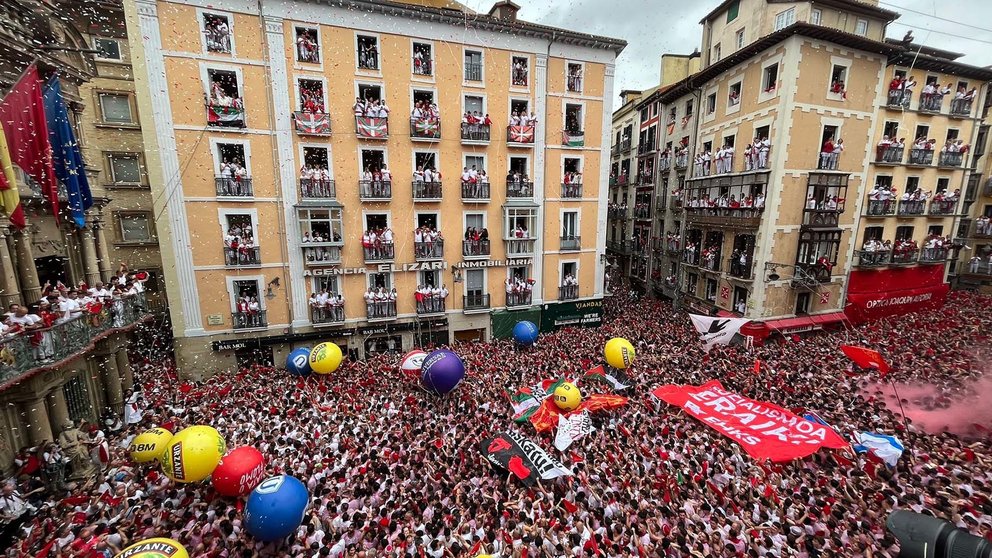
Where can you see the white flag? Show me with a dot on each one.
(717, 331)
(572, 428)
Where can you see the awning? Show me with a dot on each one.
(726, 314)
(799, 324)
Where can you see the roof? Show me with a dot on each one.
(928, 50)
(454, 13)
(854, 6)
(654, 95)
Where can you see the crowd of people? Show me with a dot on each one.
(234, 180)
(326, 306)
(377, 242)
(430, 298)
(830, 153)
(393, 471)
(476, 126)
(315, 181)
(476, 241)
(370, 108)
(380, 302)
(217, 33)
(519, 290)
(240, 243)
(428, 242)
(727, 204)
(377, 181)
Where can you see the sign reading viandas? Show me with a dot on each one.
(764, 430)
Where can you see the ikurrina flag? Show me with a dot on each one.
(525, 402)
(520, 134)
(764, 430)
(371, 127)
(313, 124)
(427, 128)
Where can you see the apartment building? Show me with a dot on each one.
(274, 193)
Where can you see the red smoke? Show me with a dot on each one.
(933, 412)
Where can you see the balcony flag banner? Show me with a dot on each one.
(66, 157)
(371, 127)
(311, 123)
(10, 197)
(522, 134)
(525, 402)
(427, 128)
(866, 358)
(715, 330)
(573, 139)
(764, 430)
(22, 113)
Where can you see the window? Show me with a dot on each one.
(688, 107)
(645, 114)
(311, 96)
(380, 280)
(108, 49)
(329, 283)
(307, 45)
(711, 290)
(922, 131)
(874, 233)
(785, 19)
(838, 80)
(125, 168)
(323, 224)
(802, 303)
(734, 97)
(368, 52)
(370, 92)
(232, 160)
(574, 77)
(711, 103)
(475, 285)
(904, 232)
(239, 225)
(861, 28)
(942, 184)
(935, 230)
(716, 52)
(217, 33)
(524, 219)
(570, 224)
(135, 227)
(912, 184)
(815, 16)
(770, 79)
(473, 65)
(423, 62)
(116, 108)
(475, 162)
(891, 129)
(573, 118)
(739, 38)
(952, 134)
(519, 71)
(733, 10)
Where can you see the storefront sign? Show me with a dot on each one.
(873, 295)
(381, 268)
(476, 264)
(235, 344)
(392, 328)
(586, 313)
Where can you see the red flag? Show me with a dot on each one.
(866, 358)
(576, 458)
(22, 114)
(757, 366)
(569, 507)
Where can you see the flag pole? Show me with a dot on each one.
(33, 63)
(902, 411)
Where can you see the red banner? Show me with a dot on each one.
(546, 416)
(764, 430)
(877, 294)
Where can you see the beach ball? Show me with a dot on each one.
(298, 362)
(239, 472)
(154, 548)
(325, 358)
(443, 370)
(148, 445)
(193, 453)
(619, 353)
(276, 507)
(525, 332)
(413, 361)
(567, 396)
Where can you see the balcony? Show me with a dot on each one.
(369, 127)
(646, 179)
(645, 148)
(899, 98)
(568, 292)
(520, 135)
(681, 161)
(519, 299)
(943, 207)
(912, 207)
(233, 187)
(625, 247)
(570, 243)
(315, 189)
(571, 191)
(573, 138)
(828, 161)
(26, 351)
(905, 256)
(375, 190)
(740, 270)
(226, 116)
(380, 310)
(617, 213)
(312, 124)
(888, 154)
(382, 252)
(325, 315)
(950, 159)
(921, 156)
(475, 192)
(740, 218)
(519, 189)
(675, 202)
(573, 83)
(475, 302)
(475, 133)
(881, 208)
(625, 145)
(690, 257)
(430, 305)
(248, 320)
(615, 150)
(428, 129)
(712, 263)
(318, 254)
(642, 212)
(426, 191)
(982, 228)
(242, 256)
(873, 258)
(934, 255)
(960, 107)
(931, 102)
(821, 218)
(473, 71)
(429, 250)
(724, 165)
(665, 162)
(516, 247)
(475, 248)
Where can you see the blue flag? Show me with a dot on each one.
(67, 159)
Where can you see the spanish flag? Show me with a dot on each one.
(10, 198)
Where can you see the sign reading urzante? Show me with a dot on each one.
(381, 268)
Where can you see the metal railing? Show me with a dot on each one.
(905, 256)
(665, 162)
(912, 207)
(712, 264)
(322, 253)
(248, 320)
(625, 145)
(426, 191)
(873, 258)
(568, 292)
(430, 305)
(961, 107)
(473, 71)
(881, 207)
(943, 207)
(921, 156)
(28, 350)
(571, 191)
(520, 189)
(647, 147)
(642, 211)
(520, 247)
(429, 250)
(950, 159)
(821, 217)
(982, 229)
(475, 132)
(615, 213)
(380, 309)
(934, 255)
(375, 189)
(739, 270)
(888, 154)
(931, 102)
(317, 189)
(899, 98)
(475, 191)
(242, 256)
(570, 243)
(681, 161)
(425, 128)
(573, 83)
(475, 248)
(518, 299)
(233, 187)
(326, 315)
(381, 252)
(475, 302)
(426, 67)
(367, 60)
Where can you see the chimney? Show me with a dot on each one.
(505, 10)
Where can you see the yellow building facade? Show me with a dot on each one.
(300, 206)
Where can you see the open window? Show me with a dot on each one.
(307, 45)
(519, 107)
(232, 159)
(769, 79)
(518, 165)
(239, 227)
(225, 107)
(573, 118)
(322, 225)
(311, 96)
(370, 92)
(217, 31)
(838, 82)
(573, 77)
(316, 158)
(521, 222)
(423, 60)
(734, 97)
(368, 52)
(425, 161)
(519, 71)
(711, 103)
(373, 160)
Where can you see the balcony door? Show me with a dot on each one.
(475, 283)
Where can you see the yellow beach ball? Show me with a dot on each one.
(148, 445)
(567, 396)
(154, 548)
(193, 453)
(325, 358)
(619, 353)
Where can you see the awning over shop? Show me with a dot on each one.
(799, 324)
(873, 295)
